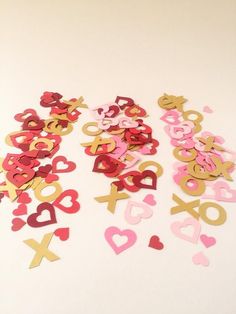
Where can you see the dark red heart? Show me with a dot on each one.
(107, 162)
(138, 180)
(33, 218)
(38, 123)
(128, 102)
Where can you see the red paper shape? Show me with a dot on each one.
(70, 165)
(20, 117)
(39, 124)
(24, 198)
(20, 210)
(155, 243)
(137, 180)
(75, 206)
(17, 224)
(33, 218)
(20, 177)
(127, 102)
(62, 233)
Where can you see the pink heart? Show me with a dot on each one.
(207, 241)
(177, 227)
(135, 219)
(17, 224)
(129, 234)
(171, 117)
(149, 199)
(223, 192)
(207, 109)
(20, 210)
(200, 259)
(183, 128)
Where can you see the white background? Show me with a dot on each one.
(101, 49)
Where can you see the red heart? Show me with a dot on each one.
(155, 243)
(20, 177)
(51, 178)
(28, 137)
(20, 210)
(33, 218)
(24, 198)
(9, 161)
(107, 162)
(75, 206)
(17, 224)
(62, 233)
(22, 116)
(130, 187)
(24, 147)
(39, 124)
(70, 165)
(127, 102)
(142, 176)
(135, 111)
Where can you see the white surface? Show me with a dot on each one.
(100, 49)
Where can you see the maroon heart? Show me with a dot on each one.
(38, 123)
(33, 218)
(138, 180)
(107, 162)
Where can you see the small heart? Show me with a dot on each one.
(149, 199)
(129, 234)
(135, 219)
(207, 109)
(61, 159)
(20, 210)
(51, 177)
(62, 233)
(17, 224)
(200, 259)
(24, 198)
(207, 241)
(155, 243)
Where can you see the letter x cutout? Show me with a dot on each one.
(41, 250)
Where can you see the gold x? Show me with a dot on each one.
(78, 103)
(209, 143)
(41, 250)
(183, 206)
(222, 168)
(112, 198)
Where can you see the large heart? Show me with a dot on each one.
(70, 165)
(139, 179)
(178, 226)
(107, 163)
(20, 177)
(73, 195)
(135, 219)
(129, 234)
(33, 218)
(33, 123)
(20, 117)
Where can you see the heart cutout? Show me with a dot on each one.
(61, 159)
(129, 234)
(135, 219)
(33, 218)
(138, 180)
(73, 195)
(177, 227)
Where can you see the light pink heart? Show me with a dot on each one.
(207, 241)
(129, 234)
(135, 219)
(207, 109)
(178, 226)
(200, 259)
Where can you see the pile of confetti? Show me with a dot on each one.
(118, 155)
(202, 162)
